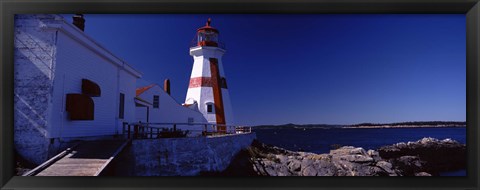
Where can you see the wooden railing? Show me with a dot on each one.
(171, 130)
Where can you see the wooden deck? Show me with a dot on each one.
(87, 159)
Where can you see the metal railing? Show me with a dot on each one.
(178, 130)
(217, 44)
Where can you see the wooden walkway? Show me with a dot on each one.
(87, 159)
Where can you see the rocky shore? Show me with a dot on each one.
(425, 157)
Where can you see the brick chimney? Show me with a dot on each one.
(166, 86)
(79, 21)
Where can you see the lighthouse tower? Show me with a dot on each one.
(208, 84)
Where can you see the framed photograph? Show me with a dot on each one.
(239, 95)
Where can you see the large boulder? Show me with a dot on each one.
(434, 155)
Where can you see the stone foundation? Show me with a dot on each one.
(184, 156)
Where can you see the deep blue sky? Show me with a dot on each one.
(334, 69)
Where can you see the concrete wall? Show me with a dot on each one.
(34, 65)
(185, 156)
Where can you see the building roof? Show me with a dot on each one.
(141, 102)
(76, 34)
(207, 27)
(143, 89)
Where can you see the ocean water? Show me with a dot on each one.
(321, 140)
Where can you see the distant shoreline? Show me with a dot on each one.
(416, 124)
(401, 126)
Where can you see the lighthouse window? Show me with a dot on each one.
(209, 107)
(155, 101)
(224, 82)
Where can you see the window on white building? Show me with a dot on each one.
(156, 102)
(121, 107)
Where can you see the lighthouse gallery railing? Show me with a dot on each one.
(157, 130)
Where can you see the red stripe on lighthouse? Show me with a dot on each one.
(200, 82)
(217, 94)
(205, 82)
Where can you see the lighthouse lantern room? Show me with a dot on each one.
(208, 85)
(207, 35)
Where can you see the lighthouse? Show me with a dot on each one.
(208, 89)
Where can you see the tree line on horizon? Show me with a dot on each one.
(415, 123)
(409, 123)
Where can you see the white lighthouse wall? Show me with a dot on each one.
(169, 111)
(227, 106)
(220, 68)
(201, 67)
(193, 95)
(203, 95)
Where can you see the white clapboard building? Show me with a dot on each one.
(66, 86)
(155, 105)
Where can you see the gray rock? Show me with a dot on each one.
(386, 166)
(295, 165)
(271, 171)
(307, 162)
(422, 174)
(309, 171)
(358, 151)
(281, 158)
(354, 158)
(325, 168)
(374, 154)
(283, 171)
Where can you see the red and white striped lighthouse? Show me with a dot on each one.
(208, 84)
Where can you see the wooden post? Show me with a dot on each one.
(129, 131)
(135, 132)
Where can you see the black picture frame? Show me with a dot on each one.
(9, 8)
